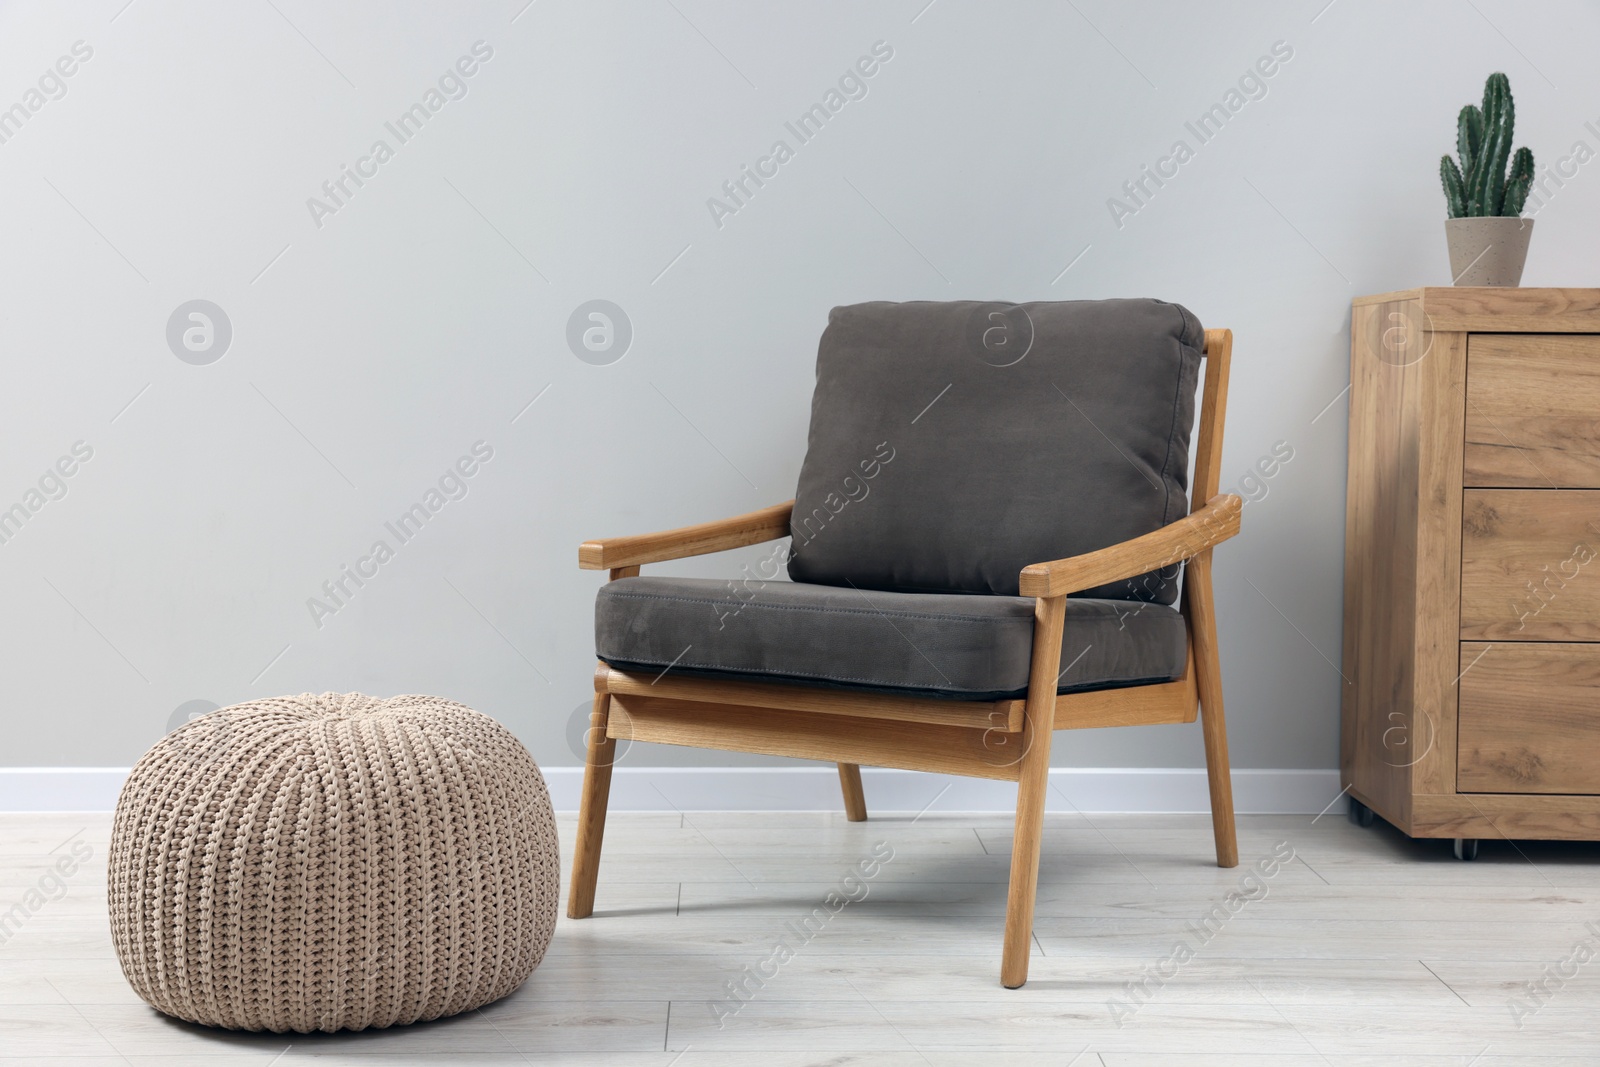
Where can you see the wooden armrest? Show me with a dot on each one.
(751, 528)
(1189, 536)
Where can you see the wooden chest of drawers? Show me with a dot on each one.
(1472, 563)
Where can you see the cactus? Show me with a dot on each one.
(1480, 185)
(1455, 190)
(1498, 118)
(1518, 181)
(1469, 146)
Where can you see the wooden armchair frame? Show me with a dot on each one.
(952, 737)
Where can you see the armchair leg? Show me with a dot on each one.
(1032, 784)
(1025, 842)
(602, 751)
(1213, 722)
(855, 801)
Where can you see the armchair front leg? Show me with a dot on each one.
(1033, 784)
(622, 557)
(1190, 538)
(601, 752)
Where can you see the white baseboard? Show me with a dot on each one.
(1090, 789)
(60, 788)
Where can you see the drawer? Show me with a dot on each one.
(1530, 565)
(1533, 410)
(1529, 719)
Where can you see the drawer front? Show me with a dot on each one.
(1533, 411)
(1530, 565)
(1529, 719)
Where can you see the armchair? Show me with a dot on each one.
(920, 629)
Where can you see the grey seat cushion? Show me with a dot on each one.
(954, 443)
(925, 644)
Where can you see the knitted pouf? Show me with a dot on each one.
(332, 862)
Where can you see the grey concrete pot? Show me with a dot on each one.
(1489, 250)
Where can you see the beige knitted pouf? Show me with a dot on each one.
(332, 862)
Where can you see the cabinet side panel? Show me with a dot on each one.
(1437, 650)
(1376, 735)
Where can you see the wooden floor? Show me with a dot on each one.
(1365, 948)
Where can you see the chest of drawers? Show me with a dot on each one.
(1471, 665)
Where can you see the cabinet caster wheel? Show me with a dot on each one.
(1466, 848)
(1360, 814)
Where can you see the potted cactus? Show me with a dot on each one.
(1488, 238)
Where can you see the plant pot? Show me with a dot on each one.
(1489, 250)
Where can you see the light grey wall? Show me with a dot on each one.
(375, 345)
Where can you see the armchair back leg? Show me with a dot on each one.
(602, 751)
(1213, 723)
(855, 801)
(1049, 616)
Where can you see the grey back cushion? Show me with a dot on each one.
(954, 443)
